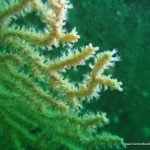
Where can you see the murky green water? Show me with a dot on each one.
(123, 25)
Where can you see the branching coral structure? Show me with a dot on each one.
(39, 107)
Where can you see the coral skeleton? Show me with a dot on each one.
(40, 108)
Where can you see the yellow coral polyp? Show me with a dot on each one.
(69, 37)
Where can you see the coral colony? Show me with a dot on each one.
(39, 107)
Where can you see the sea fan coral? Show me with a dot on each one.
(39, 107)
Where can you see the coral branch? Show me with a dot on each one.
(73, 60)
(12, 9)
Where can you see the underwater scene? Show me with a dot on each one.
(74, 74)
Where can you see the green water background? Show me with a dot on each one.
(125, 25)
